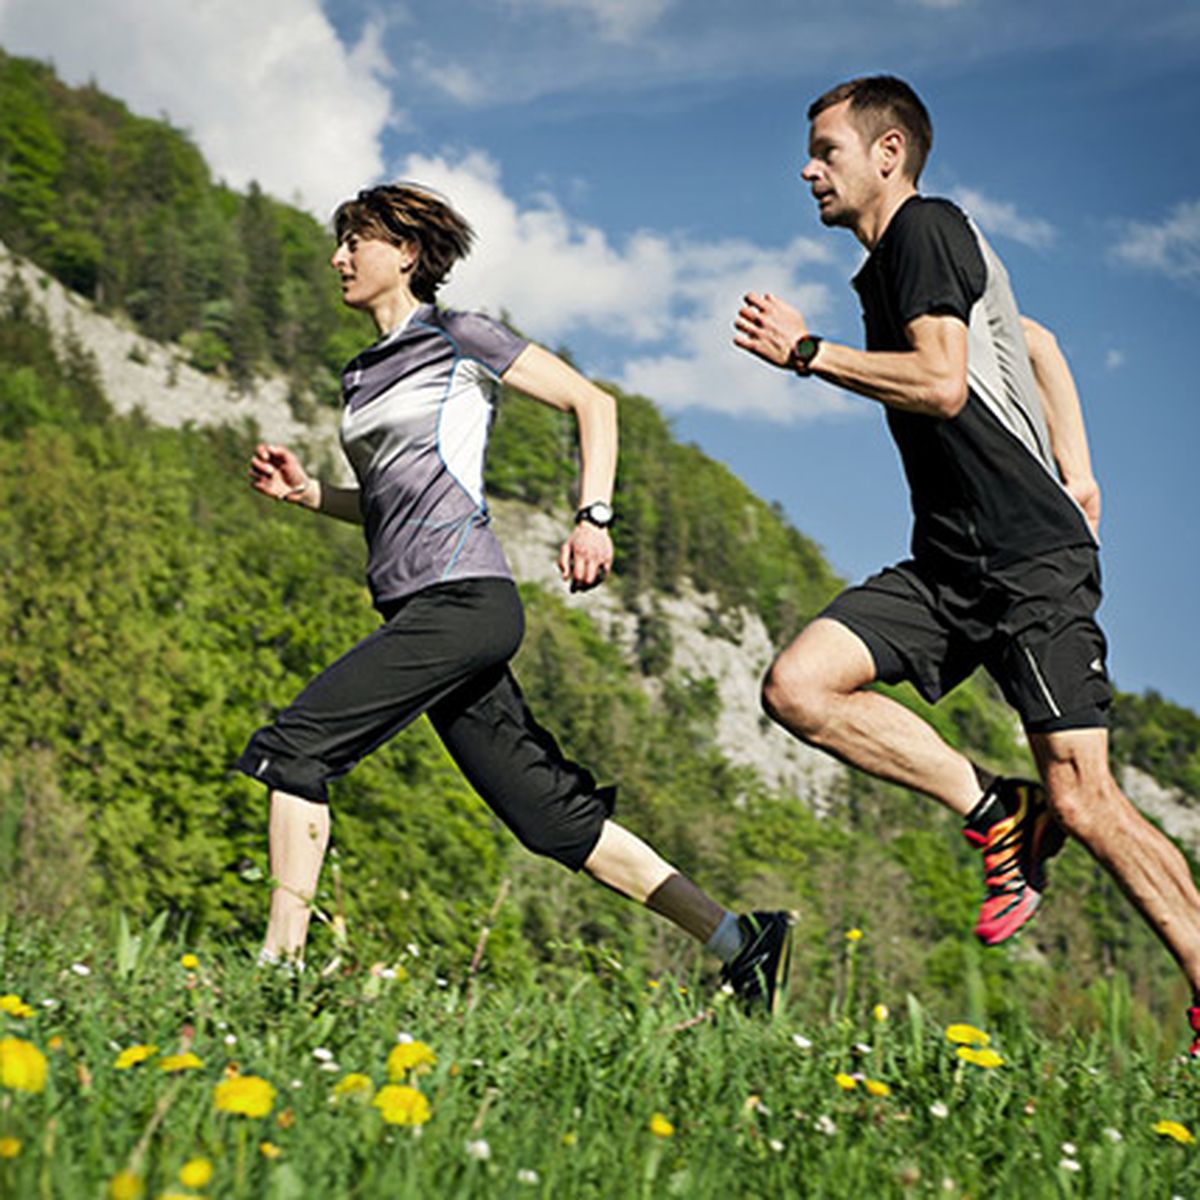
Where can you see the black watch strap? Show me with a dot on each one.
(803, 352)
(598, 513)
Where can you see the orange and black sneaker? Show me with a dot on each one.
(1194, 1021)
(1018, 836)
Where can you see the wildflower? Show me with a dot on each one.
(1069, 1164)
(22, 1066)
(881, 1012)
(190, 962)
(862, 1048)
(525, 1175)
(10, 1147)
(478, 1150)
(1070, 1149)
(231, 1039)
(332, 1067)
(81, 969)
(846, 1082)
(824, 1124)
(854, 935)
(353, 1084)
(399, 1104)
(801, 1042)
(14, 1006)
(180, 1062)
(132, 1055)
(775, 1144)
(570, 1138)
(244, 1095)
(877, 1087)
(1113, 1135)
(652, 983)
(321, 1054)
(1172, 1129)
(56, 1042)
(660, 1126)
(269, 1150)
(938, 1109)
(406, 1057)
(125, 1185)
(981, 1058)
(967, 1035)
(195, 1173)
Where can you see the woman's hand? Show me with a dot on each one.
(586, 557)
(276, 472)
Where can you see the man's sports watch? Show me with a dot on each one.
(597, 513)
(803, 352)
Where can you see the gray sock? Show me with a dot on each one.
(726, 940)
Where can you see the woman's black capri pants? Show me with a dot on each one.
(444, 651)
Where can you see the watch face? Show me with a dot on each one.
(598, 513)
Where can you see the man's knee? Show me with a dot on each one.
(792, 696)
(1091, 808)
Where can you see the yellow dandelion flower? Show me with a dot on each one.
(846, 1082)
(570, 1138)
(190, 962)
(980, 1058)
(877, 1087)
(245, 1095)
(22, 1066)
(854, 935)
(652, 983)
(132, 1055)
(660, 1126)
(14, 1006)
(10, 1147)
(125, 1185)
(400, 1104)
(881, 1012)
(353, 1084)
(269, 1150)
(195, 1173)
(1172, 1129)
(286, 1119)
(56, 1042)
(967, 1035)
(180, 1062)
(408, 1057)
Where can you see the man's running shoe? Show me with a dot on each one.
(1194, 1021)
(1015, 851)
(763, 961)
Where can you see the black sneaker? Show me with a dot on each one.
(762, 963)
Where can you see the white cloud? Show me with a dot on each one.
(268, 91)
(668, 302)
(1114, 360)
(1170, 246)
(1001, 218)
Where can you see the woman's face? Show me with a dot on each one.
(373, 271)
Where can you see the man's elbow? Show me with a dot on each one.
(947, 397)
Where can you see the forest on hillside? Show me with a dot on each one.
(155, 611)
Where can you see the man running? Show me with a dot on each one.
(1004, 570)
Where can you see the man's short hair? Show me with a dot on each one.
(879, 103)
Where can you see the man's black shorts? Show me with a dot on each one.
(1031, 624)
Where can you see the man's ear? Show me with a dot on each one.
(891, 147)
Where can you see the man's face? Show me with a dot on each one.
(841, 170)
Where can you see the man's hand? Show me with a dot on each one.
(768, 327)
(1086, 493)
(586, 557)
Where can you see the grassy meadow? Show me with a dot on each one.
(142, 1066)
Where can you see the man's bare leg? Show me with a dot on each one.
(1147, 866)
(297, 835)
(817, 689)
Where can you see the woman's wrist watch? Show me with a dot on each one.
(598, 513)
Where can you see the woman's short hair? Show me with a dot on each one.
(403, 212)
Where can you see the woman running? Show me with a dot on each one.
(417, 410)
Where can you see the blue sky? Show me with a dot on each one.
(632, 168)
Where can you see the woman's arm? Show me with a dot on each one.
(276, 472)
(586, 555)
(1064, 419)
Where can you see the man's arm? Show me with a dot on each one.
(930, 378)
(1064, 419)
